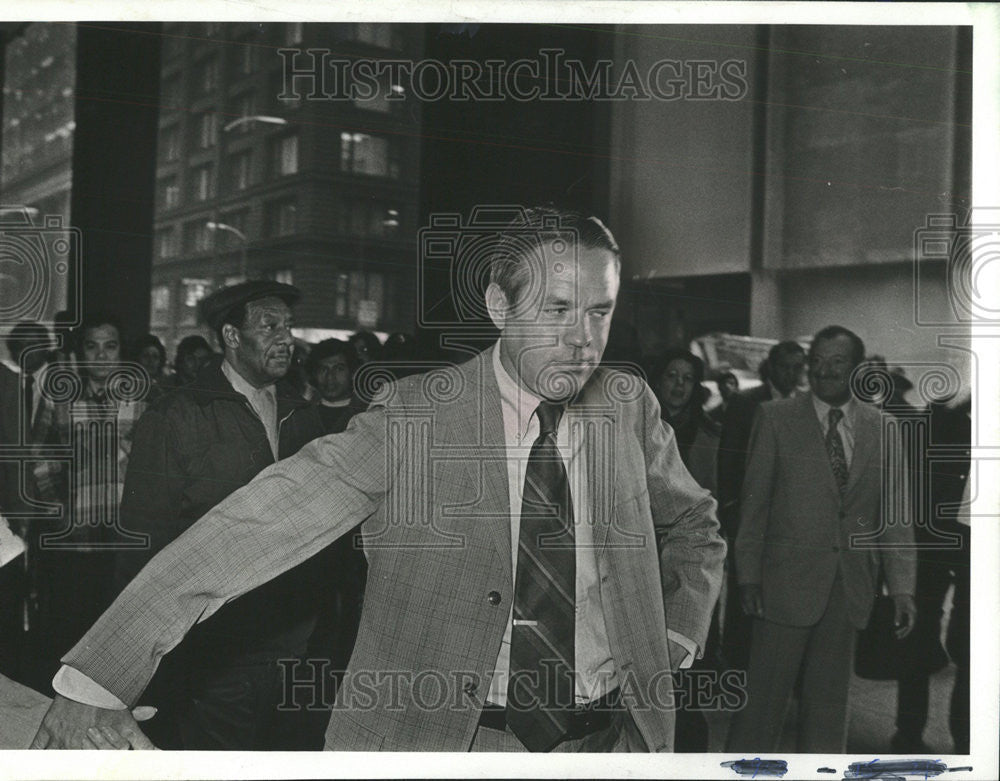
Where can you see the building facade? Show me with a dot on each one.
(261, 175)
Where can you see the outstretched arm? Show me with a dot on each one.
(285, 515)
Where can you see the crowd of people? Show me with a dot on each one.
(148, 484)
(192, 450)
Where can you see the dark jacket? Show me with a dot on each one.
(193, 448)
(733, 444)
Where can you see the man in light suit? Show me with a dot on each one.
(781, 372)
(452, 474)
(808, 551)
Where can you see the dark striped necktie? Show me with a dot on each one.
(835, 448)
(540, 692)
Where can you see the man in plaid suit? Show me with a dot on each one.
(435, 470)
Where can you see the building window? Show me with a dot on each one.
(192, 291)
(237, 220)
(361, 153)
(208, 126)
(297, 89)
(376, 219)
(293, 33)
(388, 36)
(170, 92)
(340, 299)
(170, 143)
(245, 57)
(201, 183)
(166, 243)
(207, 76)
(281, 275)
(240, 170)
(197, 237)
(285, 155)
(281, 217)
(159, 305)
(245, 105)
(173, 45)
(170, 192)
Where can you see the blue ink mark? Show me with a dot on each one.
(758, 767)
(897, 770)
(825, 770)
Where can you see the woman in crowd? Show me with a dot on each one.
(193, 354)
(677, 382)
(676, 379)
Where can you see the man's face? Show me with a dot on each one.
(262, 348)
(101, 345)
(786, 371)
(831, 362)
(553, 336)
(728, 387)
(193, 362)
(676, 385)
(333, 378)
(149, 359)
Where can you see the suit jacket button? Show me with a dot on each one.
(494, 597)
(835, 549)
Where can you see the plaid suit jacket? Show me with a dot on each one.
(425, 471)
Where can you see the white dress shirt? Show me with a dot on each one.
(845, 427)
(596, 674)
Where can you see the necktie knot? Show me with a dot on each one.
(835, 415)
(549, 415)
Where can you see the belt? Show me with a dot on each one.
(586, 719)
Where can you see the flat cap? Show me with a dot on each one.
(215, 307)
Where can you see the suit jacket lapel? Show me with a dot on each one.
(865, 443)
(483, 427)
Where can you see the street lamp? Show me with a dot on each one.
(254, 118)
(221, 226)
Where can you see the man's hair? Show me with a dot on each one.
(26, 334)
(524, 236)
(237, 317)
(150, 340)
(329, 348)
(789, 347)
(188, 345)
(832, 332)
(721, 379)
(96, 320)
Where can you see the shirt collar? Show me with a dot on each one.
(240, 385)
(823, 410)
(342, 403)
(513, 397)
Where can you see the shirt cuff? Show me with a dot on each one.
(689, 645)
(74, 685)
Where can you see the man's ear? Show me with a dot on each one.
(230, 336)
(497, 305)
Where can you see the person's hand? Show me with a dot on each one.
(73, 725)
(906, 614)
(752, 599)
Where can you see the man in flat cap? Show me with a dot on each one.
(191, 450)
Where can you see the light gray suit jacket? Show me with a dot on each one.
(425, 470)
(795, 527)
